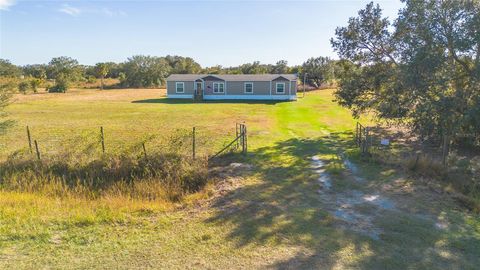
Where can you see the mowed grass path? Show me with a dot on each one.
(272, 219)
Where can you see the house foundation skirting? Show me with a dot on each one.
(179, 96)
(250, 97)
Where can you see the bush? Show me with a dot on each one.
(91, 79)
(61, 86)
(34, 84)
(23, 87)
(57, 89)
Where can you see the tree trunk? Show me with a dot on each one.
(101, 82)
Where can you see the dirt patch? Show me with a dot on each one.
(353, 169)
(227, 178)
(357, 210)
(353, 209)
(324, 178)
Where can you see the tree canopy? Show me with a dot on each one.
(101, 70)
(8, 69)
(145, 71)
(5, 94)
(183, 65)
(63, 70)
(423, 69)
(319, 70)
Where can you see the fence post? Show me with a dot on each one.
(144, 151)
(355, 135)
(193, 143)
(236, 133)
(29, 140)
(245, 139)
(360, 136)
(36, 148)
(102, 136)
(366, 139)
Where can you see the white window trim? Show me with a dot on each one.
(245, 87)
(219, 83)
(176, 87)
(276, 87)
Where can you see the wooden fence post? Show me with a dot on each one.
(245, 139)
(29, 140)
(367, 137)
(144, 151)
(356, 134)
(36, 148)
(102, 137)
(236, 133)
(193, 143)
(242, 138)
(360, 136)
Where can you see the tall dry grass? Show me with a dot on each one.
(461, 175)
(80, 170)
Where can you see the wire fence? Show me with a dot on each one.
(196, 141)
(394, 148)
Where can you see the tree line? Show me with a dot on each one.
(142, 71)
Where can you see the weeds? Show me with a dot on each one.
(425, 166)
(167, 175)
(461, 176)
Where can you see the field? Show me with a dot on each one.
(301, 198)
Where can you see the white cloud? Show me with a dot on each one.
(67, 9)
(5, 4)
(109, 12)
(75, 11)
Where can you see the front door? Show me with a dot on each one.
(199, 88)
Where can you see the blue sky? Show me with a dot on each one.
(212, 32)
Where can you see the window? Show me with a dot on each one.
(179, 87)
(218, 87)
(280, 87)
(248, 88)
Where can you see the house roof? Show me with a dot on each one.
(231, 77)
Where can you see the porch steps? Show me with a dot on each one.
(198, 97)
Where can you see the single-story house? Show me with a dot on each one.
(229, 86)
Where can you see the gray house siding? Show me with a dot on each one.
(287, 87)
(189, 88)
(238, 88)
(293, 87)
(264, 86)
(209, 87)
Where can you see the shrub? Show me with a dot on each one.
(91, 79)
(34, 84)
(56, 89)
(61, 86)
(23, 87)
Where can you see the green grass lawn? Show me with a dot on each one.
(272, 217)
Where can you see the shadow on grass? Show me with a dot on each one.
(191, 101)
(281, 208)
